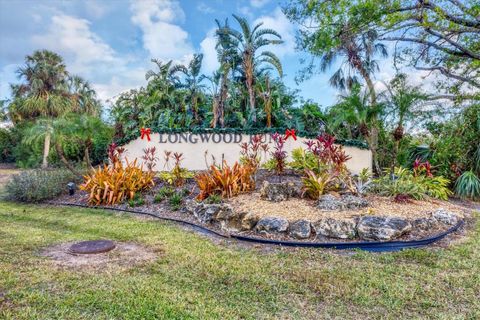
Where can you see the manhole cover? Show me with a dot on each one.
(91, 247)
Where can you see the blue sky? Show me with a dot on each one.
(111, 42)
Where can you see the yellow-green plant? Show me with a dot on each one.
(315, 184)
(406, 183)
(177, 175)
(115, 183)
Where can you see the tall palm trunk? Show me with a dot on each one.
(248, 67)
(67, 164)
(356, 61)
(88, 145)
(46, 148)
(195, 106)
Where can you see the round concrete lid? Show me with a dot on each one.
(92, 247)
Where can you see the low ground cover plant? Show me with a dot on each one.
(163, 193)
(38, 185)
(175, 201)
(137, 201)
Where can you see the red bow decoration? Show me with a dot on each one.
(145, 132)
(290, 133)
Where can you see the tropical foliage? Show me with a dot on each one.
(227, 181)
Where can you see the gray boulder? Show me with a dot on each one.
(382, 228)
(330, 202)
(445, 216)
(351, 201)
(277, 191)
(272, 225)
(300, 229)
(208, 213)
(249, 221)
(192, 205)
(336, 228)
(424, 223)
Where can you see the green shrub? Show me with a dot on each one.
(213, 198)
(418, 187)
(163, 193)
(7, 145)
(468, 186)
(303, 160)
(38, 185)
(175, 201)
(136, 201)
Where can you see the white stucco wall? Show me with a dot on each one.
(194, 153)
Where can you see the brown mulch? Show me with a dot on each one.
(296, 208)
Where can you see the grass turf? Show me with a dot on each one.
(194, 278)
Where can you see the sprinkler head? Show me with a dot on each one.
(71, 188)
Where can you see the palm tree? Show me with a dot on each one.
(355, 113)
(247, 43)
(44, 93)
(358, 53)
(265, 92)
(193, 82)
(358, 58)
(402, 101)
(83, 96)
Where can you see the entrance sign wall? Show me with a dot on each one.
(199, 148)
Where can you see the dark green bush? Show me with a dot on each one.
(38, 185)
(7, 145)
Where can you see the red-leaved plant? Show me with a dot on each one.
(422, 168)
(327, 152)
(278, 154)
(150, 157)
(251, 151)
(115, 153)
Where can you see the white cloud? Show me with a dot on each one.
(87, 55)
(95, 8)
(204, 8)
(207, 46)
(258, 3)
(73, 39)
(280, 23)
(161, 37)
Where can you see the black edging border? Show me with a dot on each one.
(372, 246)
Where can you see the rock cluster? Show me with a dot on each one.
(277, 191)
(369, 228)
(221, 214)
(329, 202)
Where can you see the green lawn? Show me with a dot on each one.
(194, 278)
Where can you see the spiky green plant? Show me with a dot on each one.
(467, 186)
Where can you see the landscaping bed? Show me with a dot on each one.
(376, 218)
